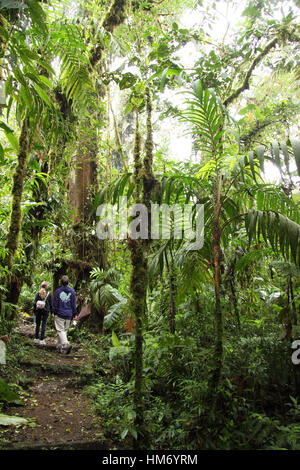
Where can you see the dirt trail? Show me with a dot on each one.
(60, 415)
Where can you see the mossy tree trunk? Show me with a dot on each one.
(17, 193)
(13, 284)
(144, 185)
(138, 289)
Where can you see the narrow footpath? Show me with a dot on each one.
(60, 415)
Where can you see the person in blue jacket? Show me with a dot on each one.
(64, 309)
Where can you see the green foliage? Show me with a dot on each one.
(112, 401)
(104, 292)
(7, 395)
(75, 77)
(277, 230)
(7, 420)
(205, 114)
(115, 313)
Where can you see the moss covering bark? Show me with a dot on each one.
(149, 179)
(17, 192)
(144, 186)
(138, 289)
(13, 282)
(115, 16)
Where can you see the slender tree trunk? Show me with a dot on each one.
(31, 241)
(149, 181)
(218, 355)
(172, 290)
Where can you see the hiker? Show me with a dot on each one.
(64, 309)
(41, 308)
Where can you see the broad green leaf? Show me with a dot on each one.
(6, 420)
(12, 140)
(19, 76)
(34, 165)
(7, 394)
(245, 260)
(163, 80)
(294, 237)
(46, 81)
(128, 80)
(124, 433)
(25, 94)
(128, 108)
(43, 95)
(114, 339)
(37, 15)
(5, 127)
(251, 163)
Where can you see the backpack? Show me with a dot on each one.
(40, 305)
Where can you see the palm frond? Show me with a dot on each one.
(206, 118)
(282, 233)
(281, 154)
(102, 276)
(111, 193)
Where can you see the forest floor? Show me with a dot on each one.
(60, 415)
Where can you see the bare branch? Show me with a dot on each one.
(245, 85)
